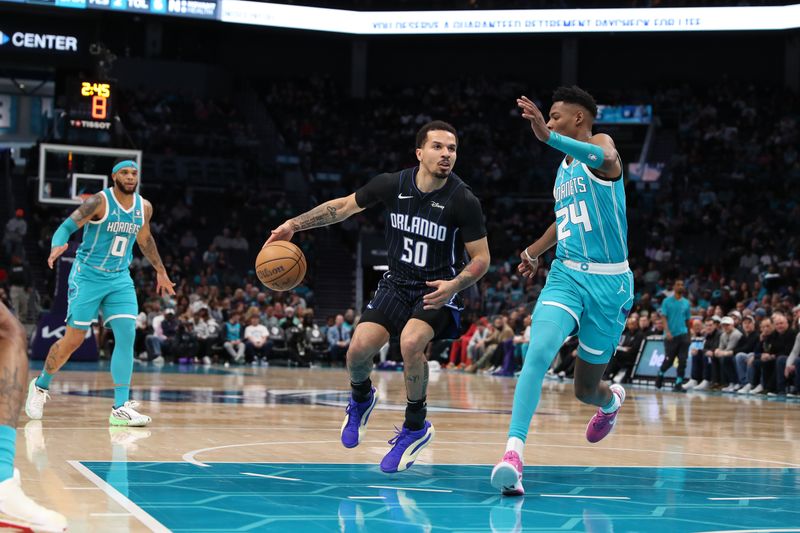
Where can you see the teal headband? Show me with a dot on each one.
(124, 164)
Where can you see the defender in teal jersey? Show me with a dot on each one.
(589, 290)
(101, 282)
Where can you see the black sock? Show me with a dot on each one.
(361, 390)
(415, 414)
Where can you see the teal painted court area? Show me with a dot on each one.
(358, 498)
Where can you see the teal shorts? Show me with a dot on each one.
(599, 298)
(93, 291)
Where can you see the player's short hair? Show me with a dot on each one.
(576, 95)
(434, 125)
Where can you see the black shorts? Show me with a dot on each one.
(396, 301)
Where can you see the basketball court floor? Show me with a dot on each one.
(257, 449)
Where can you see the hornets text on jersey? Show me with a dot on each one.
(108, 243)
(591, 223)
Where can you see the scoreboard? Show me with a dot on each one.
(90, 104)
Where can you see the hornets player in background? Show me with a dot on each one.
(589, 290)
(100, 281)
(432, 217)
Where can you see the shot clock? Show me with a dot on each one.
(90, 104)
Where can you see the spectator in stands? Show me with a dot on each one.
(766, 340)
(564, 363)
(338, 339)
(492, 358)
(19, 279)
(289, 320)
(745, 354)
(523, 340)
(789, 367)
(477, 343)
(256, 337)
(723, 371)
(14, 235)
(208, 332)
(233, 339)
(701, 364)
(620, 368)
(188, 242)
(165, 331)
(645, 326)
(781, 348)
(350, 319)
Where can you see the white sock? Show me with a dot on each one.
(613, 405)
(515, 444)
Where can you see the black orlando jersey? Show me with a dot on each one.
(425, 232)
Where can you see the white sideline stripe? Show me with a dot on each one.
(590, 350)
(112, 317)
(149, 522)
(565, 308)
(586, 497)
(745, 498)
(407, 488)
(270, 477)
(367, 497)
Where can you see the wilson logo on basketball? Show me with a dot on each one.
(280, 265)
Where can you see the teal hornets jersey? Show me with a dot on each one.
(591, 225)
(108, 243)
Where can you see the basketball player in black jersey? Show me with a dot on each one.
(432, 217)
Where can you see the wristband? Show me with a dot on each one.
(528, 256)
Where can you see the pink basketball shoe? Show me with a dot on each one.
(507, 475)
(602, 423)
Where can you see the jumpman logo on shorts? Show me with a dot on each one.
(621, 289)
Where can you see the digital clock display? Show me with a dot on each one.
(90, 104)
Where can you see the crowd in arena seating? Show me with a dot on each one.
(709, 221)
(182, 124)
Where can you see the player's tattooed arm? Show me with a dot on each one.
(477, 266)
(325, 214)
(330, 212)
(147, 244)
(475, 269)
(89, 209)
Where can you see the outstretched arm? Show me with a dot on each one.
(330, 212)
(91, 208)
(147, 244)
(478, 265)
(598, 152)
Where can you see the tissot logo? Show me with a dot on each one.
(40, 41)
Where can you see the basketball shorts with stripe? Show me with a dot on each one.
(91, 291)
(599, 303)
(396, 301)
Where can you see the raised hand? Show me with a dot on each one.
(532, 114)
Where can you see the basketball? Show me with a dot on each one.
(280, 266)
